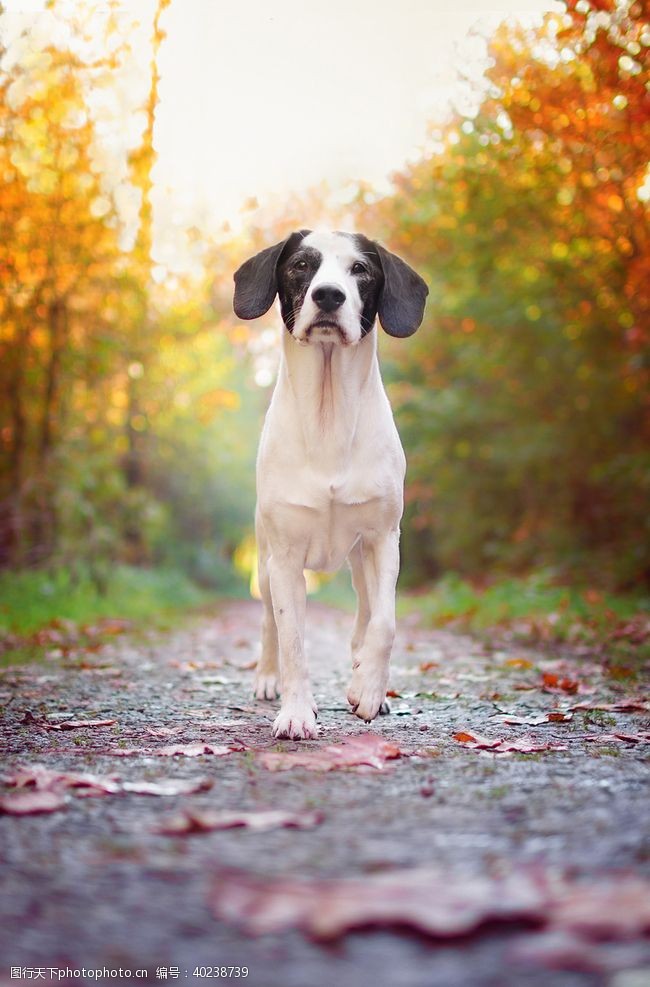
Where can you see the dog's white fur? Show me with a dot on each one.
(330, 477)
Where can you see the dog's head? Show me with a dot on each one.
(331, 287)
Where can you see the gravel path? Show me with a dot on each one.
(94, 885)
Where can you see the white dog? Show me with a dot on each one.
(330, 468)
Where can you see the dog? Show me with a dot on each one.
(330, 466)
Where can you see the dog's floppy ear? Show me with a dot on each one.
(256, 282)
(402, 297)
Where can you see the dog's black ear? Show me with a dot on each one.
(402, 297)
(256, 282)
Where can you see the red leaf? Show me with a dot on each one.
(554, 716)
(622, 706)
(524, 745)
(47, 780)
(205, 821)
(475, 740)
(31, 803)
(437, 904)
(618, 908)
(627, 738)
(554, 683)
(366, 749)
(168, 786)
(425, 900)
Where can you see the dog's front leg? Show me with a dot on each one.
(367, 689)
(297, 716)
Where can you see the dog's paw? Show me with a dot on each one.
(367, 693)
(296, 721)
(267, 685)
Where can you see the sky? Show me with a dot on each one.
(260, 99)
(264, 97)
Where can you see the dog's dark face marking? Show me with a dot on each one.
(331, 287)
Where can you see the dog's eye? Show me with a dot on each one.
(300, 265)
(358, 268)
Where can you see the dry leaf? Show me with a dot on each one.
(168, 786)
(617, 908)
(427, 900)
(554, 716)
(78, 724)
(193, 750)
(524, 745)
(367, 749)
(622, 706)
(475, 740)
(434, 903)
(175, 750)
(44, 779)
(627, 738)
(33, 802)
(205, 821)
(554, 683)
(518, 663)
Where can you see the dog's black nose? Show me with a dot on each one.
(328, 297)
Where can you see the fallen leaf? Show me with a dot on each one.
(163, 731)
(475, 740)
(243, 666)
(527, 745)
(554, 716)
(193, 750)
(31, 803)
(518, 663)
(367, 749)
(108, 625)
(175, 750)
(392, 694)
(557, 949)
(168, 786)
(44, 779)
(627, 738)
(205, 821)
(426, 900)
(438, 904)
(553, 682)
(426, 666)
(106, 670)
(524, 745)
(616, 908)
(78, 724)
(622, 706)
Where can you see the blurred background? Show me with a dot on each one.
(148, 147)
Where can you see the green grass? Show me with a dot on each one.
(30, 600)
(536, 608)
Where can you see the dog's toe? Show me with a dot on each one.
(296, 722)
(384, 709)
(367, 697)
(266, 686)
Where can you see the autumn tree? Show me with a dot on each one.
(524, 402)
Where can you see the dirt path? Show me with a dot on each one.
(93, 884)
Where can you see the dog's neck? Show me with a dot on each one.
(326, 384)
